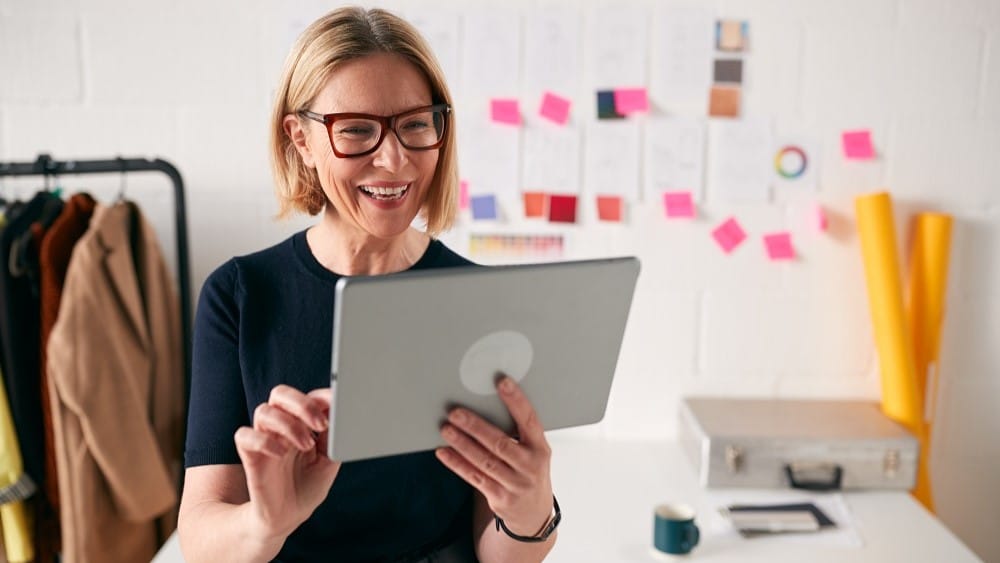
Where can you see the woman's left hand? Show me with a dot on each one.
(512, 474)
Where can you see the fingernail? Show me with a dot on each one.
(507, 385)
(457, 416)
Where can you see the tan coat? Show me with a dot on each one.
(115, 370)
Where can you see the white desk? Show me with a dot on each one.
(607, 491)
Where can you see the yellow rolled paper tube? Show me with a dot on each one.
(929, 256)
(900, 400)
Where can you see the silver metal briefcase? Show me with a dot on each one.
(805, 444)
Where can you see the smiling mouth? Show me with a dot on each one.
(384, 194)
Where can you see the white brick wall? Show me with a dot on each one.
(192, 81)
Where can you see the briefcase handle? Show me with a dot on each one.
(794, 470)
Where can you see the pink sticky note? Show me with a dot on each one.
(631, 100)
(779, 246)
(729, 235)
(858, 145)
(505, 111)
(555, 108)
(819, 216)
(678, 204)
(463, 195)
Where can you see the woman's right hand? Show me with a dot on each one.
(284, 457)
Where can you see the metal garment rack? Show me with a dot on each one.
(45, 166)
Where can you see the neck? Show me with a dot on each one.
(349, 252)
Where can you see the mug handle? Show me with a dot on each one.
(693, 535)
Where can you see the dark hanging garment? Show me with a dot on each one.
(19, 335)
(53, 261)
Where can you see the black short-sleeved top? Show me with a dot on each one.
(266, 319)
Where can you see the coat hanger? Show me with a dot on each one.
(122, 186)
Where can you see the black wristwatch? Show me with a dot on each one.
(550, 527)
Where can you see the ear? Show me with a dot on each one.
(300, 139)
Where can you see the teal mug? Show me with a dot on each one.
(674, 530)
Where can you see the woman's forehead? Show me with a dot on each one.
(381, 84)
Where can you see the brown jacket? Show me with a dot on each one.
(115, 371)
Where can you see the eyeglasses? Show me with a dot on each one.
(358, 134)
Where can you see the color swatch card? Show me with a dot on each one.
(609, 208)
(729, 235)
(463, 195)
(562, 208)
(779, 246)
(732, 35)
(631, 100)
(555, 108)
(606, 105)
(484, 207)
(534, 204)
(674, 155)
(678, 205)
(858, 145)
(505, 110)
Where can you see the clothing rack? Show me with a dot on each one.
(45, 166)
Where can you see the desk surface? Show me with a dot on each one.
(607, 491)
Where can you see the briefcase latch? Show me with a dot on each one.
(890, 464)
(734, 458)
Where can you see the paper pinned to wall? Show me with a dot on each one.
(612, 159)
(675, 155)
(441, 29)
(682, 50)
(552, 159)
(490, 155)
(740, 160)
(492, 50)
(616, 43)
(552, 50)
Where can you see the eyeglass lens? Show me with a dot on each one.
(414, 130)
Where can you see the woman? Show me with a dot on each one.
(362, 134)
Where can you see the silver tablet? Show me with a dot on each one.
(407, 347)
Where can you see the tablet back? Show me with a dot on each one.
(408, 346)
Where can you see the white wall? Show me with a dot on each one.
(190, 81)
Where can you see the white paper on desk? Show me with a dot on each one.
(611, 159)
(552, 53)
(740, 160)
(489, 156)
(845, 534)
(675, 155)
(616, 45)
(682, 50)
(551, 159)
(491, 52)
(441, 29)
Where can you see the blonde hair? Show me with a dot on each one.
(341, 35)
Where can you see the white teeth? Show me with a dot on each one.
(385, 193)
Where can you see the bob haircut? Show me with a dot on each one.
(342, 35)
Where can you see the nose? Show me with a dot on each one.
(391, 155)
